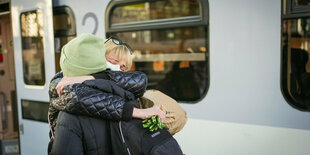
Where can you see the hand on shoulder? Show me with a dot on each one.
(71, 80)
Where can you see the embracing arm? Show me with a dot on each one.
(84, 100)
(71, 80)
(114, 110)
(135, 81)
(97, 99)
(109, 87)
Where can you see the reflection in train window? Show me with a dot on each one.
(296, 62)
(64, 30)
(301, 2)
(155, 10)
(32, 47)
(175, 58)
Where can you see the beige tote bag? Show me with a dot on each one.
(176, 116)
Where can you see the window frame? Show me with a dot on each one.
(42, 104)
(290, 12)
(43, 46)
(158, 24)
(189, 21)
(299, 9)
(67, 10)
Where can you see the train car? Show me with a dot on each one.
(241, 69)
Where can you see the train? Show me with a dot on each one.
(240, 69)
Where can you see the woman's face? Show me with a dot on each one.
(113, 59)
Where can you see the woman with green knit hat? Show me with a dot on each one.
(107, 95)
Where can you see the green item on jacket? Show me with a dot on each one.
(83, 55)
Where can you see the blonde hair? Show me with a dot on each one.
(122, 52)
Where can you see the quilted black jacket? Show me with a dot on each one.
(110, 99)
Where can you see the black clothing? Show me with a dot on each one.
(110, 99)
(135, 81)
(81, 135)
(99, 98)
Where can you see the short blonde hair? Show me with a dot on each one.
(121, 51)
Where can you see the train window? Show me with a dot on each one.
(295, 65)
(64, 30)
(173, 55)
(32, 47)
(34, 110)
(155, 10)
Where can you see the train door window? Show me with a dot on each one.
(32, 47)
(295, 65)
(64, 30)
(34, 110)
(170, 43)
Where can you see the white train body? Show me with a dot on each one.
(242, 112)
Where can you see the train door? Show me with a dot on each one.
(33, 38)
(8, 105)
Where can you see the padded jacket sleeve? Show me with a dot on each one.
(84, 100)
(135, 81)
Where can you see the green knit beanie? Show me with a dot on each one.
(83, 55)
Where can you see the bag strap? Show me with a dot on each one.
(51, 129)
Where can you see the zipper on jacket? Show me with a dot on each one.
(120, 129)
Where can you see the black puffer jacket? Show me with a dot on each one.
(80, 135)
(110, 99)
